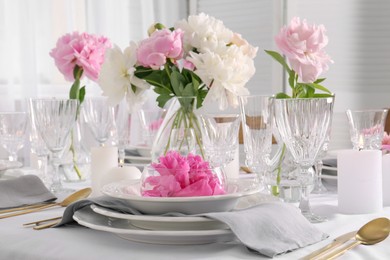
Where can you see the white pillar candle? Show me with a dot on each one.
(117, 174)
(359, 181)
(102, 160)
(386, 179)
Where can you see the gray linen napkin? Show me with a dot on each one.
(27, 189)
(268, 228)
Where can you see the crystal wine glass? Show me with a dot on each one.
(303, 125)
(12, 132)
(219, 137)
(257, 125)
(54, 119)
(123, 123)
(99, 117)
(319, 187)
(39, 149)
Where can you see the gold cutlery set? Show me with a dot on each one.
(371, 233)
(78, 195)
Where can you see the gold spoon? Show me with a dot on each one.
(371, 233)
(81, 194)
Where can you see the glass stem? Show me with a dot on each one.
(304, 204)
(121, 155)
(56, 179)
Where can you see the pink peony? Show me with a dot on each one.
(162, 44)
(182, 177)
(303, 45)
(85, 50)
(386, 142)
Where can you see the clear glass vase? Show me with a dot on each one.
(76, 160)
(180, 129)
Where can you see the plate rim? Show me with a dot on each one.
(133, 230)
(149, 218)
(177, 199)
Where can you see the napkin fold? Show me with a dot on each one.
(24, 190)
(270, 228)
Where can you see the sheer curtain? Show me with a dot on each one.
(30, 29)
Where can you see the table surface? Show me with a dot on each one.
(78, 242)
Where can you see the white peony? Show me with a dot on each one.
(205, 33)
(117, 79)
(225, 75)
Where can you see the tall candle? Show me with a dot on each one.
(103, 159)
(386, 179)
(359, 181)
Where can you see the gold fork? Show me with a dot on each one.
(39, 226)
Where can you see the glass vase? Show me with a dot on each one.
(76, 160)
(180, 129)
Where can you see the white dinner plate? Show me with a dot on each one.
(142, 150)
(152, 222)
(123, 228)
(129, 190)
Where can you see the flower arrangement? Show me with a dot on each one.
(182, 176)
(198, 57)
(303, 45)
(197, 60)
(77, 55)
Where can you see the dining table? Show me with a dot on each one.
(75, 241)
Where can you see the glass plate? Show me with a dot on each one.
(129, 191)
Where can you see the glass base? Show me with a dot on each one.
(59, 190)
(313, 218)
(319, 188)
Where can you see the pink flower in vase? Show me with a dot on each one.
(303, 46)
(85, 50)
(162, 44)
(386, 142)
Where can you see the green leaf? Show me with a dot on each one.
(162, 100)
(319, 87)
(282, 95)
(279, 58)
(162, 91)
(322, 95)
(319, 80)
(188, 91)
(309, 91)
(292, 79)
(82, 94)
(177, 83)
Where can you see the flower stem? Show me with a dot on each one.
(275, 188)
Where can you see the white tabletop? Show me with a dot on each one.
(78, 242)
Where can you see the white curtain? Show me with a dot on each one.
(30, 29)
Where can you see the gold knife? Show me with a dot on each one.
(335, 243)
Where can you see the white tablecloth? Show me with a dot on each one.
(77, 242)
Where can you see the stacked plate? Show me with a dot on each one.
(138, 156)
(329, 169)
(159, 225)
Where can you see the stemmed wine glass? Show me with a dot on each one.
(12, 132)
(99, 117)
(54, 119)
(303, 125)
(257, 116)
(219, 137)
(123, 123)
(318, 185)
